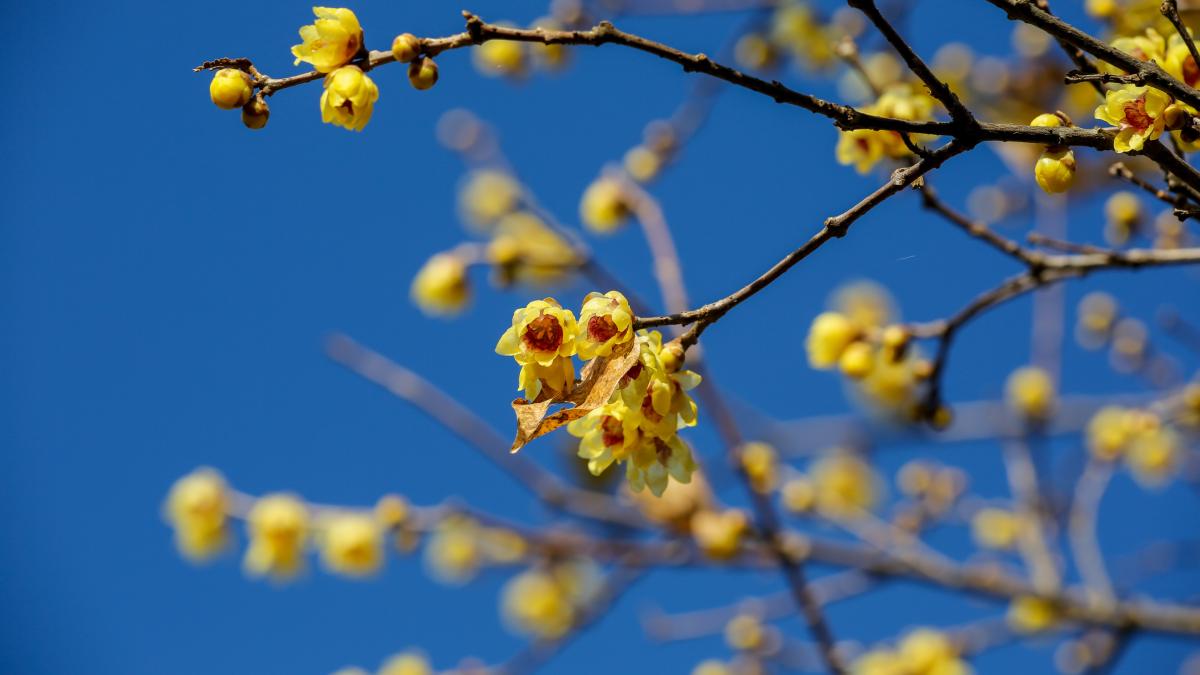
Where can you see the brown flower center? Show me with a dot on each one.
(543, 334)
(1191, 72)
(601, 328)
(611, 431)
(1136, 115)
(630, 375)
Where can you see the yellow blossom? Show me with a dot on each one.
(607, 434)
(331, 41)
(406, 47)
(542, 340)
(487, 195)
(1030, 614)
(441, 285)
(1137, 112)
(1109, 432)
(655, 460)
(719, 533)
(422, 73)
(761, 464)
(604, 322)
(1149, 46)
(1154, 455)
(744, 632)
(1055, 170)
(534, 603)
(1179, 62)
(995, 528)
(255, 114)
(754, 52)
(857, 360)
(351, 544)
(1101, 9)
(1030, 393)
(349, 98)
(230, 88)
(641, 163)
(711, 667)
(604, 206)
(548, 57)
(525, 249)
(925, 651)
(865, 302)
(861, 148)
(453, 553)
(799, 494)
(828, 337)
(879, 662)
(197, 508)
(845, 485)
(406, 663)
(1049, 120)
(500, 57)
(278, 527)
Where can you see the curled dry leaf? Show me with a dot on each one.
(600, 379)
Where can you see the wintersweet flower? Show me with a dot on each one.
(197, 507)
(230, 88)
(925, 651)
(1154, 455)
(542, 340)
(607, 434)
(1030, 393)
(1179, 62)
(1137, 112)
(406, 663)
(351, 544)
(422, 73)
(719, 534)
(331, 41)
(604, 206)
(828, 337)
(1109, 432)
(496, 58)
(441, 286)
(995, 528)
(278, 528)
(534, 603)
(1031, 614)
(524, 248)
(454, 553)
(845, 485)
(745, 633)
(655, 460)
(761, 464)
(860, 148)
(1149, 46)
(488, 195)
(1055, 169)
(349, 98)
(604, 322)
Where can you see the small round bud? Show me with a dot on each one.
(255, 114)
(672, 356)
(941, 418)
(230, 88)
(1047, 120)
(406, 47)
(857, 360)
(1175, 116)
(642, 164)
(422, 73)
(1055, 170)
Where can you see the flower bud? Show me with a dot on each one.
(1055, 170)
(422, 73)
(857, 360)
(255, 114)
(1049, 120)
(1175, 116)
(406, 47)
(230, 88)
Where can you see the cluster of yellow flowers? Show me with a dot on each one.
(858, 337)
(1151, 448)
(638, 425)
(544, 603)
(280, 527)
(923, 651)
(864, 148)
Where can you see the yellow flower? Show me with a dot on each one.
(453, 553)
(1179, 62)
(642, 163)
(534, 603)
(604, 322)
(331, 41)
(799, 495)
(526, 249)
(604, 206)
(1137, 112)
(1153, 455)
(845, 484)
(744, 632)
(754, 52)
(879, 662)
(925, 651)
(995, 528)
(862, 148)
(1030, 614)
(761, 464)
(406, 47)
(542, 340)
(655, 460)
(1149, 46)
(857, 360)
(711, 667)
(1049, 120)
(230, 88)
(349, 98)
(891, 385)
(1030, 392)
(422, 73)
(278, 527)
(351, 544)
(607, 434)
(406, 663)
(488, 195)
(1101, 9)
(441, 286)
(197, 507)
(828, 337)
(719, 534)
(496, 58)
(548, 57)
(866, 303)
(256, 114)
(1055, 169)
(1109, 432)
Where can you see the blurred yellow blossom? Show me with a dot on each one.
(487, 195)
(496, 58)
(278, 527)
(604, 206)
(744, 632)
(761, 464)
(719, 533)
(351, 544)
(995, 528)
(453, 553)
(406, 663)
(1030, 393)
(441, 286)
(197, 507)
(845, 484)
(534, 603)
(1031, 614)
(828, 337)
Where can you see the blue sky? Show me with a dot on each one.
(169, 278)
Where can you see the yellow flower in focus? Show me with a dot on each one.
(406, 663)
(496, 58)
(605, 321)
(761, 464)
(542, 340)
(719, 534)
(1055, 170)
(607, 434)
(278, 527)
(860, 148)
(1154, 455)
(1030, 614)
(406, 47)
(604, 206)
(422, 73)
(197, 507)
(351, 544)
(441, 285)
(828, 337)
(1179, 62)
(845, 485)
(488, 195)
(655, 461)
(642, 164)
(1149, 46)
(534, 603)
(995, 528)
(349, 98)
(230, 88)
(1030, 393)
(1137, 112)
(453, 554)
(744, 633)
(331, 41)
